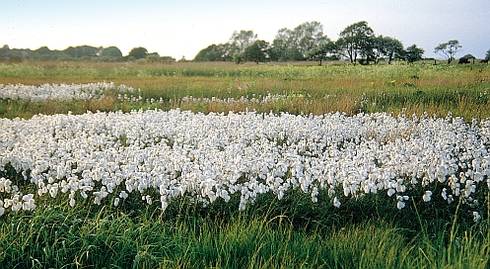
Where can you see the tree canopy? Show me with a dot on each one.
(138, 53)
(111, 53)
(213, 53)
(257, 52)
(449, 49)
(413, 54)
(387, 47)
(356, 40)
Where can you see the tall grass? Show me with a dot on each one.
(98, 237)
(414, 89)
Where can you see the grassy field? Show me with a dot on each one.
(291, 233)
(463, 90)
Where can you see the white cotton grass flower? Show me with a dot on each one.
(213, 157)
(427, 196)
(476, 216)
(2, 209)
(400, 204)
(391, 192)
(336, 202)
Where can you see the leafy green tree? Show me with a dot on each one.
(4, 52)
(298, 44)
(449, 49)
(356, 40)
(257, 52)
(110, 53)
(153, 57)
(325, 50)
(413, 54)
(283, 47)
(308, 37)
(138, 53)
(387, 47)
(213, 53)
(466, 59)
(239, 41)
(487, 57)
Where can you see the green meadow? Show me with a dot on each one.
(462, 90)
(291, 233)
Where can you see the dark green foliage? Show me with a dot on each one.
(413, 54)
(213, 53)
(291, 233)
(82, 52)
(283, 48)
(4, 51)
(299, 43)
(111, 53)
(238, 43)
(356, 40)
(138, 53)
(44, 53)
(386, 47)
(324, 51)
(468, 58)
(257, 52)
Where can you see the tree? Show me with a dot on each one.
(283, 47)
(138, 53)
(308, 37)
(4, 51)
(449, 49)
(487, 57)
(413, 54)
(356, 40)
(323, 51)
(257, 52)
(466, 59)
(213, 53)
(387, 47)
(299, 43)
(239, 41)
(110, 53)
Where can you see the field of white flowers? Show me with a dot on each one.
(60, 92)
(161, 155)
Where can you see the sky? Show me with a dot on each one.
(182, 28)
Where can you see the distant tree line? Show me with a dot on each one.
(85, 52)
(357, 43)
